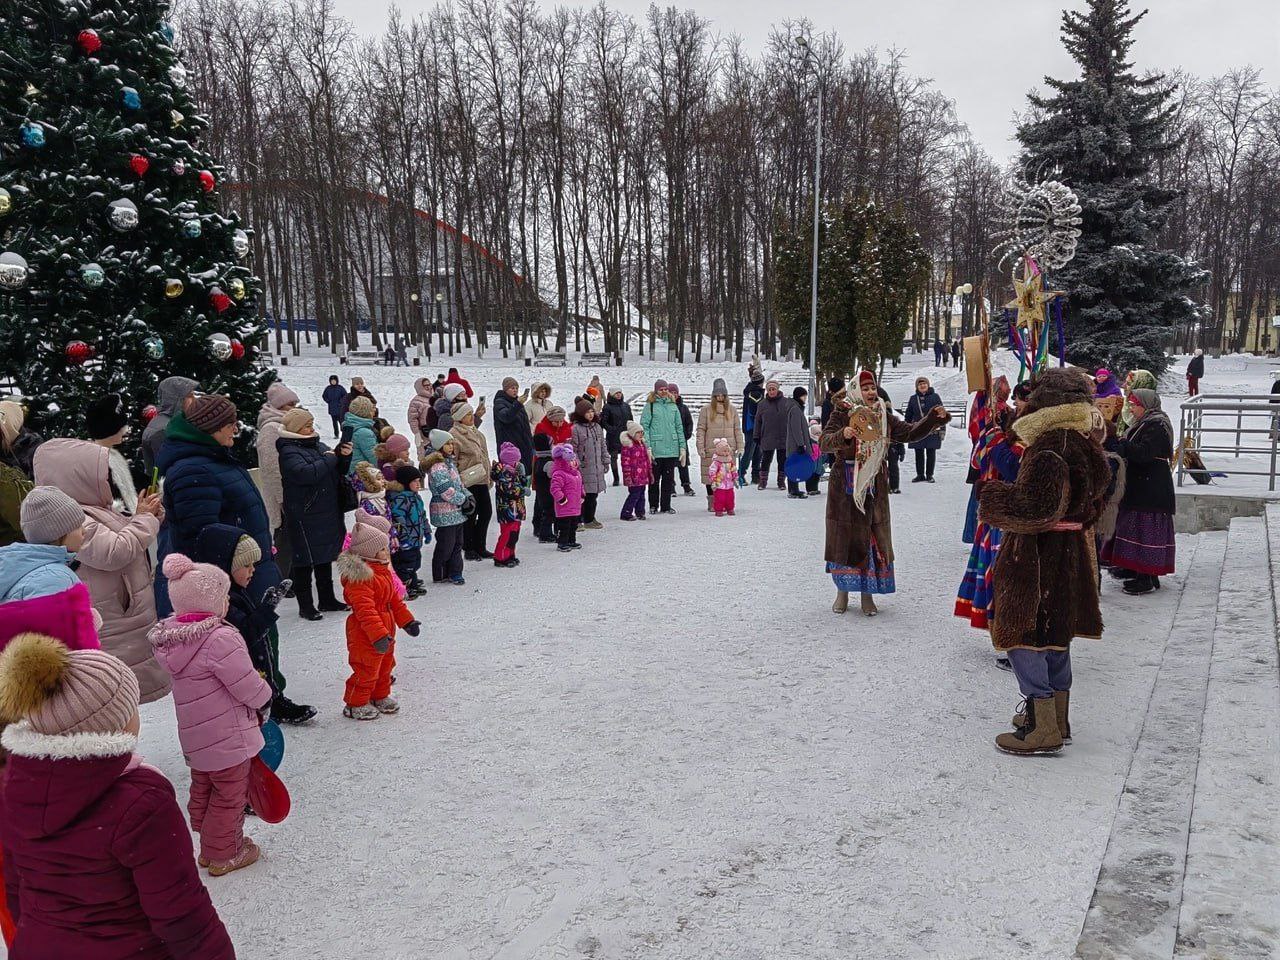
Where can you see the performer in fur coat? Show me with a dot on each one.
(1046, 584)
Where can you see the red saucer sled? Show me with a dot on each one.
(267, 793)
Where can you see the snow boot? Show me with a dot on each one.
(1120, 573)
(284, 710)
(247, 856)
(593, 525)
(1061, 701)
(869, 608)
(710, 501)
(387, 704)
(1039, 736)
(842, 602)
(1142, 583)
(365, 711)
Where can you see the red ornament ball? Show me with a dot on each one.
(89, 42)
(206, 181)
(77, 352)
(237, 350)
(139, 164)
(149, 412)
(219, 300)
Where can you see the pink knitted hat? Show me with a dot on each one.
(196, 587)
(397, 444)
(370, 535)
(280, 396)
(61, 691)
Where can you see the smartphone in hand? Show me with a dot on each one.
(347, 433)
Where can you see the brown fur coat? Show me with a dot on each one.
(849, 529)
(1046, 580)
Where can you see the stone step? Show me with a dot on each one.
(1134, 910)
(1231, 891)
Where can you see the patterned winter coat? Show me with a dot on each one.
(216, 690)
(722, 473)
(637, 469)
(447, 492)
(593, 456)
(566, 489)
(409, 518)
(509, 484)
(376, 606)
(114, 560)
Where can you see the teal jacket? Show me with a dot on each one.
(663, 427)
(363, 440)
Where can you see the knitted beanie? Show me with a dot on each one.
(509, 454)
(510, 383)
(719, 389)
(363, 407)
(11, 420)
(438, 438)
(105, 417)
(280, 396)
(210, 412)
(297, 420)
(47, 515)
(453, 391)
(370, 535)
(554, 411)
(247, 553)
(462, 410)
(397, 445)
(673, 388)
(60, 691)
(406, 474)
(563, 451)
(660, 384)
(196, 587)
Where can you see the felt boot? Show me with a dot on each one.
(842, 602)
(1039, 736)
(1061, 700)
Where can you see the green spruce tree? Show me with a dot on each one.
(1104, 131)
(117, 267)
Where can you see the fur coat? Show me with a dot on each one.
(1046, 576)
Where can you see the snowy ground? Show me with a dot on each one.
(667, 746)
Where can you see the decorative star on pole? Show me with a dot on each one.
(1030, 300)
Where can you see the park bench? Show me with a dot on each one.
(548, 358)
(595, 360)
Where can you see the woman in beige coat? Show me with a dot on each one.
(280, 400)
(719, 418)
(538, 404)
(474, 466)
(114, 564)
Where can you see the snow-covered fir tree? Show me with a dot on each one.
(1104, 131)
(117, 268)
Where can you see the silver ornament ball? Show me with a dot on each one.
(13, 270)
(220, 346)
(122, 214)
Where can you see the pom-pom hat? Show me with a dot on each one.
(196, 587)
(60, 691)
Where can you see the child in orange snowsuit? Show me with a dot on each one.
(369, 587)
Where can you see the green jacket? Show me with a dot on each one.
(14, 487)
(663, 427)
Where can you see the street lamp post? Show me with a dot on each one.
(810, 57)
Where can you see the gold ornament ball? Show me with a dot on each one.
(6, 202)
(235, 287)
(173, 288)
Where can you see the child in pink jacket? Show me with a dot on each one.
(723, 478)
(637, 470)
(217, 694)
(566, 494)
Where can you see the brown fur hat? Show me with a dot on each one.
(1057, 386)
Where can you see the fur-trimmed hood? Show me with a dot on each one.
(176, 643)
(1079, 417)
(352, 568)
(53, 780)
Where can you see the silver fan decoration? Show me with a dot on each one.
(1042, 221)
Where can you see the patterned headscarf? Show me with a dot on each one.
(870, 453)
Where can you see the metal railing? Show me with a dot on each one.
(1246, 417)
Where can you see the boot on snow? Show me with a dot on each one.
(869, 608)
(284, 710)
(366, 711)
(387, 704)
(247, 856)
(1039, 736)
(1061, 701)
(842, 602)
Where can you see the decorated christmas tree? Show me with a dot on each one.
(1102, 134)
(117, 268)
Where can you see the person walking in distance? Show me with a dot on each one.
(1195, 370)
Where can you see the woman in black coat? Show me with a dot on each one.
(310, 474)
(922, 401)
(511, 423)
(614, 418)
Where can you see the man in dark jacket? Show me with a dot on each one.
(172, 395)
(358, 389)
(770, 432)
(511, 423)
(956, 354)
(922, 401)
(220, 544)
(686, 418)
(800, 441)
(614, 419)
(752, 394)
(334, 396)
(938, 352)
(1195, 370)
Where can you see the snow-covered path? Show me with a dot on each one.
(666, 745)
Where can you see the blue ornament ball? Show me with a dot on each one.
(32, 135)
(191, 229)
(166, 32)
(130, 98)
(153, 347)
(92, 275)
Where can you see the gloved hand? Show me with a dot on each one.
(468, 506)
(382, 644)
(264, 713)
(413, 628)
(273, 595)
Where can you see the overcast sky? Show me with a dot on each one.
(983, 54)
